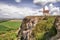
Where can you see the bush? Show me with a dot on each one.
(45, 29)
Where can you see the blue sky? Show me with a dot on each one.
(26, 3)
(23, 3)
(22, 8)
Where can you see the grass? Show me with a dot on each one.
(45, 29)
(8, 30)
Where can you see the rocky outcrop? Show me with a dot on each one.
(57, 26)
(29, 23)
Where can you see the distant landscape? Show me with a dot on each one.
(8, 29)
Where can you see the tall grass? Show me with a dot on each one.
(45, 29)
(8, 30)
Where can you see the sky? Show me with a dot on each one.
(23, 8)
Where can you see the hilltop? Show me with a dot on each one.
(44, 28)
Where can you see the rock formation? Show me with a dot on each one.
(29, 23)
(57, 26)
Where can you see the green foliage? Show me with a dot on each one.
(8, 30)
(8, 36)
(45, 29)
(11, 24)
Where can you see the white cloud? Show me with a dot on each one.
(15, 12)
(7, 11)
(58, 0)
(17, 1)
(43, 2)
(46, 8)
(40, 10)
(51, 6)
(54, 10)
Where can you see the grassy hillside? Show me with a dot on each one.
(45, 29)
(8, 29)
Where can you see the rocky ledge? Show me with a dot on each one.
(40, 28)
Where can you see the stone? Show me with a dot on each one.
(57, 26)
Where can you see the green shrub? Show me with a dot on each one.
(45, 29)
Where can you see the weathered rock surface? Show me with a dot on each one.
(29, 23)
(57, 26)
